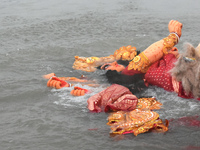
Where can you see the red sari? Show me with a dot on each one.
(158, 74)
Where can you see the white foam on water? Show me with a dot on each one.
(173, 106)
(67, 100)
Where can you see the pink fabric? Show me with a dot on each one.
(115, 97)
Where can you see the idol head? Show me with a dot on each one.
(116, 65)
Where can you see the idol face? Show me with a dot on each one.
(113, 66)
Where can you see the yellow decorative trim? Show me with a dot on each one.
(140, 63)
(169, 42)
(139, 120)
(150, 103)
(136, 59)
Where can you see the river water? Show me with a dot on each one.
(40, 37)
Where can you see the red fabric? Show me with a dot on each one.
(158, 73)
(187, 121)
(130, 72)
(115, 97)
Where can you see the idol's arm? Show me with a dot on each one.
(155, 51)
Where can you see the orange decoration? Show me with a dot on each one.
(125, 53)
(128, 47)
(78, 91)
(140, 63)
(89, 64)
(140, 120)
(150, 103)
(56, 83)
(136, 122)
(169, 42)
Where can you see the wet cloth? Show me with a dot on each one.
(115, 97)
(158, 74)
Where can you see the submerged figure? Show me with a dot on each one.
(162, 65)
(61, 82)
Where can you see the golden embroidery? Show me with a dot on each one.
(136, 121)
(169, 42)
(139, 120)
(150, 103)
(140, 63)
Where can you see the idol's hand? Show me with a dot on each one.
(77, 91)
(55, 82)
(174, 51)
(48, 76)
(175, 26)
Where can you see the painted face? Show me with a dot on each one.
(114, 66)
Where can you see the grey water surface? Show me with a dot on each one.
(38, 37)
